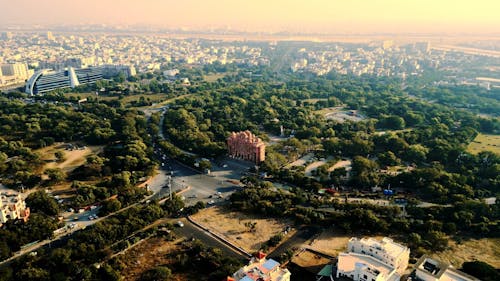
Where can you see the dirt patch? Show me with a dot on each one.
(310, 261)
(332, 242)
(149, 254)
(486, 250)
(233, 226)
(341, 164)
(72, 158)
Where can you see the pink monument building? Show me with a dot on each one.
(246, 146)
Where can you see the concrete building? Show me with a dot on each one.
(261, 269)
(7, 35)
(246, 146)
(368, 259)
(48, 80)
(386, 250)
(359, 267)
(11, 73)
(12, 207)
(428, 269)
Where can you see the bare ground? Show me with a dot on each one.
(331, 242)
(149, 254)
(486, 250)
(231, 225)
(310, 261)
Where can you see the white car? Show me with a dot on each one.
(179, 224)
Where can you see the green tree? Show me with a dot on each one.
(159, 273)
(40, 201)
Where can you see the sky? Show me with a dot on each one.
(323, 16)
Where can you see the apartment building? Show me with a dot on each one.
(386, 250)
(13, 207)
(261, 269)
(368, 259)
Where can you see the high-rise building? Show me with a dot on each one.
(50, 36)
(12, 73)
(246, 146)
(19, 70)
(7, 35)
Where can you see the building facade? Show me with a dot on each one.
(259, 268)
(12, 73)
(47, 80)
(428, 269)
(246, 146)
(13, 207)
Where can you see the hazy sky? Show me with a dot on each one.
(329, 16)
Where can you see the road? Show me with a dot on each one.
(189, 230)
(296, 241)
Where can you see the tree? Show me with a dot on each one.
(59, 156)
(159, 273)
(41, 202)
(481, 270)
(56, 175)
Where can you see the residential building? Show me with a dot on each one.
(13, 207)
(261, 269)
(428, 269)
(386, 250)
(11, 73)
(246, 146)
(360, 267)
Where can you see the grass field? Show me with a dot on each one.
(147, 255)
(231, 225)
(486, 250)
(485, 142)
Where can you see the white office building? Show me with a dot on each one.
(368, 259)
(361, 267)
(386, 250)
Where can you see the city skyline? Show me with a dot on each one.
(316, 16)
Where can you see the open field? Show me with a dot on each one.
(340, 114)
(231, 226)
(147, 255)
(310, 261)
(332, 242)
(72, 158)
(485, 142)
(485, 249)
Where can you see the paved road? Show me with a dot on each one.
(191, 231)
(296, 241)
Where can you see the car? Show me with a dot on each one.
(211, 202)
(179, 224)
